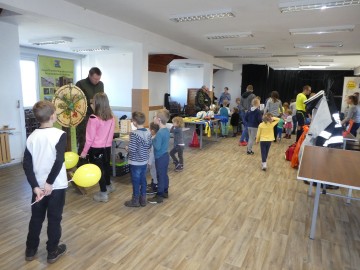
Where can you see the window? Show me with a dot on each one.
(28, 82)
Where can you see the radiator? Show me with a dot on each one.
(4, 148)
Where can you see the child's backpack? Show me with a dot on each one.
(290, 152)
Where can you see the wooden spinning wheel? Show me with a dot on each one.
(71, 105)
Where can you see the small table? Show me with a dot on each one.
(329, 166)
(197, 121)
(115, 143)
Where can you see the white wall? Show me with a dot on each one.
(117, 75)
(159, 84)
(231, 79)
(10, 88)
(181, 80)
(357, 71)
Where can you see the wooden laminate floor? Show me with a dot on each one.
(223, 213)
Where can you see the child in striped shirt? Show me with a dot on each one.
(139, 151)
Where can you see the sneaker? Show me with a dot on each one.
(101, 197)
(134, 202)
(30, 254)
(244, 143)
(165, 195)
(263, 166)
(179, 168)
(249, 152)
(55, 255)
(155, 199)
(110, 188)
(150, 189)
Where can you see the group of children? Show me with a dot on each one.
(265, 128)
(47, 145)
(149, 148)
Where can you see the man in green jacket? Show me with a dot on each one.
(90, 86)
(202, 99)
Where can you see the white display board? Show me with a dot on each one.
(351, 85)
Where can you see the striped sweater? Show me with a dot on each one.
(139, 146)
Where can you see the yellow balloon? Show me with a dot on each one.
(71, 159)
(87, 175)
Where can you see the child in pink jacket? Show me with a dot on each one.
(99, 136)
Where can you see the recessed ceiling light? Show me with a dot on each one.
(318, 45)
(291, 6)
(316, 60)
(51, 41)
(245, 47)
(316, 54)
(258, 55)
(208, 15)
(229, 35)
(313, 66)
(264, 61)
(322, 30)
(91, 49)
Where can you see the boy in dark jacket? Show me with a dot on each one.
(245, 104)
(234, 120)
(253, 118)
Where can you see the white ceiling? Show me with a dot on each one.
(261, 17)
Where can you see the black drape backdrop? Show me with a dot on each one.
(255, 75)
(290, 82)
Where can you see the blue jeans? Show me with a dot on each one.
(354, 128)
(51, 205)
(264, 147)
(138, 179)
(244, 134)
(162, 164)
(225, 129)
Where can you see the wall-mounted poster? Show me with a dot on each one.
(351, 85)
(53, 73)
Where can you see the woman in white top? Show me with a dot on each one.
(274, 105)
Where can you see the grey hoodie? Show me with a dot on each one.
(245, 101)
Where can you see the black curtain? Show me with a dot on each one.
(257, 76)
(290, 82)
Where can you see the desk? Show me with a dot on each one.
(115, 144)
(329, 166)
(215, 122)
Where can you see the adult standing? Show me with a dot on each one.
(225, 96)
(90, 86)
(245, 105)
(274, 106)
(293, 110)
(301, 110)
(202, 99)
(353, 113)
